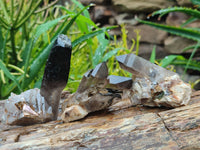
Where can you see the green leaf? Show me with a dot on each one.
(37, 63)
(27, 54)
(103, 42)
(9, 75)
(3, 8)
(66, 28)
(153, 55)
(41, 58)
(26, 60)
(183, 62)
(184, 32)
(43, 28)
(168, 60)
(192, 12)
(191, 56)
(46, 26)
(81, 17)
(111, 53)
(3, 45)
(189, 48)
(190, 20)
(86, 13)
(90, 35)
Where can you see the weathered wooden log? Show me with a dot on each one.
(131, 128)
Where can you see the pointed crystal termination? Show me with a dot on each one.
(38, 106)
(56, 72)
(100, 71)
(161, 87)
(93, 76)
(118, 82)
(91, 95)
(142, 67)
(27, 108)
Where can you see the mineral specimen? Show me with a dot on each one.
(151, 85)
(27, 108)
(118, 82)
(37, 106)
(56, 73)
(141, 67)
(154, 85)
(91, 95)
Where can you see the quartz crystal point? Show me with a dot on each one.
(93, 77)
(154, 85)
(91, 95)
(118, 82)
(139, 66)
(37, 106)
(56, 73)
(27, 108)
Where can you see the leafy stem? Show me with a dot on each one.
(12, 38)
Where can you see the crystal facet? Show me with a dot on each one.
(142, 67)
(37, 106)
(56, 73)
(154, 85)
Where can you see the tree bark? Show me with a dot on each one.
(132, 128)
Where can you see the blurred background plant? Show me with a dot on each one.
(28, 30)
(184, 31)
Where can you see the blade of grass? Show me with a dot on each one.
(4, 24)
(19, 12)
(46, 7)
(189, 11)
(9, 75)
(85, 12)
(90, 35)
(27, 16)
(39, 30)
(187, 33)
(3, 46)
(190, 20)
(183, 62)
(39, 61)
(3, 7)
(26, 60)
(168, 60)
(103, 42)
(111, 53)
(46, 26)
(189, 48)
(6, 90)
(153, 55)
(81, 17)
(191, 56)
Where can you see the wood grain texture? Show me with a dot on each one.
(132, 128)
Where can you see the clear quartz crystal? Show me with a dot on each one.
(165, 87)
(27, 108)
(135, 64)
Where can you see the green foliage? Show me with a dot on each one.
(153, 55)
(190, 33)
(121, 48)
(27, 33)
(85, 58)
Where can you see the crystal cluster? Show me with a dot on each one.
(150, 85)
